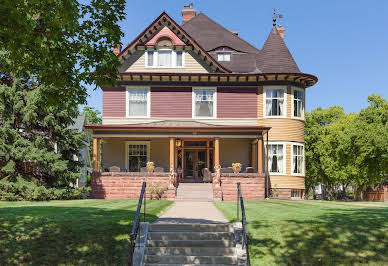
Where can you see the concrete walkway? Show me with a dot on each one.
(192, 212)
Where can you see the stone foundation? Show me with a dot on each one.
(117, 185)
(252, 186)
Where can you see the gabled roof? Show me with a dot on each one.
(211, 35)
(158, 24)
(275, 56)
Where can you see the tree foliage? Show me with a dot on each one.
(347, 149)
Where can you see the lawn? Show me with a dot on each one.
(69, 232)
(314, 232)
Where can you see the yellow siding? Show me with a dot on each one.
(288, 159)
(289, 101)
(191, 66)
(284, 129)
(260, 103)
(288, 181)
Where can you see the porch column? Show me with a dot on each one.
(216, 152)
(260, 155)
(253, 156)
(172, 154)
(96, 154)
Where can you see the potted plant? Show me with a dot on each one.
(150, 167)
(236, 167)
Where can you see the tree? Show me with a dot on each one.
(31, 132)
(93, 117)
(65, 45)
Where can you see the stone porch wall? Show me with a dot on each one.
(117, 185)
(252, 186)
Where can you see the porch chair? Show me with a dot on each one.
(159, 170)
(114, 169)
(143, 170)
(207, 175)
(249, 170)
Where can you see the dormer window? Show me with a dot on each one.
(165, 56)
(224, 54)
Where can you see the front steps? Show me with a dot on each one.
(190, 244)
(197, 192)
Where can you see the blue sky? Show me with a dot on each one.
(344, 43)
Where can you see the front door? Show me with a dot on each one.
(195, 161)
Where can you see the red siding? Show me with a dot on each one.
(171, 102)
(237, 102)
(113, 102)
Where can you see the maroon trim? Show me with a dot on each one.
(181, 30)
(160, 127)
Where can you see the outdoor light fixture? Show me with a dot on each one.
(178, 143)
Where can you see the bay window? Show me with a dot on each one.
(276, 158)
(204, 103)
(274, 102)
(297, 159)
(137, 102)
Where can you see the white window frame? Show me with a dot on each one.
(127, 143)
(128, 89)
(214, 103)
(156, 56)
(265, 89)
(223, 56)
(284, 158)
(299, 191)
(303, 103)
(303, 160)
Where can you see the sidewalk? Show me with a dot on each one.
(192, 212)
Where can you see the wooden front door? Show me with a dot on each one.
(195, 161)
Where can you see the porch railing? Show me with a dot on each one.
(245, 235)
(136, 222)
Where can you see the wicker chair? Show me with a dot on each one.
(143, 169)
(114, 169)
(249, 170)
(159, 170)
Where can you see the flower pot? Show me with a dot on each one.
(236, 170)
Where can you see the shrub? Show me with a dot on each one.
(156, 192)
(22, 190)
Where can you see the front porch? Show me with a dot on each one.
(180, 154)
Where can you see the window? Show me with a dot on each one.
(224, 54)
(275, 158)
(204, 103)
(150, 59)
(274, 102)
(138, 154)
(164, 58)
(297, 159)
(138, 102)
(296, 193)
(298, 103)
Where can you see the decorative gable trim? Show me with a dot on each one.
(165, 32)
(156, 26)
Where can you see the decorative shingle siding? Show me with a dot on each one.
(237, 102)
(113, 102)
(171, 102)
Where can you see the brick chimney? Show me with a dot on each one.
(188, 13)
(281, 31)
(117, 49)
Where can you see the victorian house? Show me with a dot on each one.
(194, 98)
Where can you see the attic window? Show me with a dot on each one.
(164, 43)
(224, 54)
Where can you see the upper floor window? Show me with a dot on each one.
(276, 158)
(224, 54)
(274, 102)
(298, 106)
(297, 159)
(138, 102)
(204, 103)
(165, 55)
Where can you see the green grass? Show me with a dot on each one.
(69, 232)
(314, 232)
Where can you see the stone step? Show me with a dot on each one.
(186, 227)
(190, 251)
(191, 236)
(191, 259)
(190, 243)
(194, 199)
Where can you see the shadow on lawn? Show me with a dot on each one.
(51, 235)
(345, 236)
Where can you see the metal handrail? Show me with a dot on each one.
(136, 223)
(245, 235)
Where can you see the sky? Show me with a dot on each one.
(342, 42)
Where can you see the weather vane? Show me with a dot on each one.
(275, 17)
